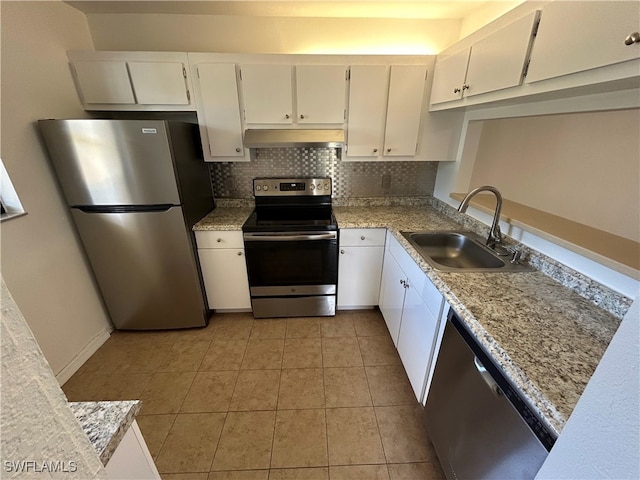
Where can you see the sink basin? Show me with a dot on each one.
(457, 251)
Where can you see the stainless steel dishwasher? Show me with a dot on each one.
(480, 426)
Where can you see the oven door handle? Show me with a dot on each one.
(288, 237)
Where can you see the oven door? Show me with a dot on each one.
(292, 273)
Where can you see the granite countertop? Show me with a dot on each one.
(224, 218)
(105, 423)
(547, 338)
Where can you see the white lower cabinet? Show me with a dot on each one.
(132, 460)
(392, 294)
(360, 267)
(224, 269)
(412, 308)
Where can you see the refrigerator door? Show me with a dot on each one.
(112, 162)
(145, 267)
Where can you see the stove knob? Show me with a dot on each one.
(312, 187)
(266, 187)
(258, 188)
(326, 186)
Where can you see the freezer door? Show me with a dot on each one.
(145, 266)
(112, 162)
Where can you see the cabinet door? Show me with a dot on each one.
(225, 278)
(104, 82)
(359, 272)
(267, 93)
(392, 295)
(406, 89)
(498, 61)
(367, 110)
(220, 109)
(578, 36)
(159, 83)
(320, 93)
(448, 77)
(416, 339)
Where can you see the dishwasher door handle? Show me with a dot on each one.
(486, 376)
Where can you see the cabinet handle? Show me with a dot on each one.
(375, 150)
(239, 254)
(465, 87)
(456, 90)
(388, 150)
(301, 116)
(402, 282)
(362, 237)
(286, 115)
(238, 149)
(632, 38)
(219, 240)
(342, 252)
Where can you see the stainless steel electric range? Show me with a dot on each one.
(291, 247)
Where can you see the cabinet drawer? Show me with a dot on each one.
(362, 237)
(219, 239)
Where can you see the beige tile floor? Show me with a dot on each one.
(304, 398)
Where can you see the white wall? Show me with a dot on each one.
(488, 12)
(602, 437)
(456, 176)
(580, 166)
(248, 34)
(43, 263)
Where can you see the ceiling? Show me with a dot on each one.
(451, 9)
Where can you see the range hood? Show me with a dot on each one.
(282, 138)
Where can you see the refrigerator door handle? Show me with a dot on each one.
(123, 208)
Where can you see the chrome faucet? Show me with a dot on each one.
(495, 235)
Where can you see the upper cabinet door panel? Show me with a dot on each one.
(367, 109)
(104, 82)
(267, 93)
(320, 93)
(159, 83)
(498, 61)
(448, 77)
(581, 35)
(406, 90)
(220, 108)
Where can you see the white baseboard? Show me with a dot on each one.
(74, 365)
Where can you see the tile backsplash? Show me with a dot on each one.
(350, 179)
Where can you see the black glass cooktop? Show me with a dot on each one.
(319, 218)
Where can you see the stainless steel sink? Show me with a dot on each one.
(456, 251)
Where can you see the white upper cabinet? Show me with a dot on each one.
(104, 82)
(267, 95)
(159, 83)
(493, 63)
(497, 61)
(368, 88)
(385, 105)
(448, 77)
(320, 93)
(406, 89)
(132, 80)
(583, 35)
(219, 111)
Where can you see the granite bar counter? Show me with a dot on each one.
(105, 423)
(548, 331)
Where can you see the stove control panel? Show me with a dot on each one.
(275, 187)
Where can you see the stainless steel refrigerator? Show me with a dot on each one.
(135, 188)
